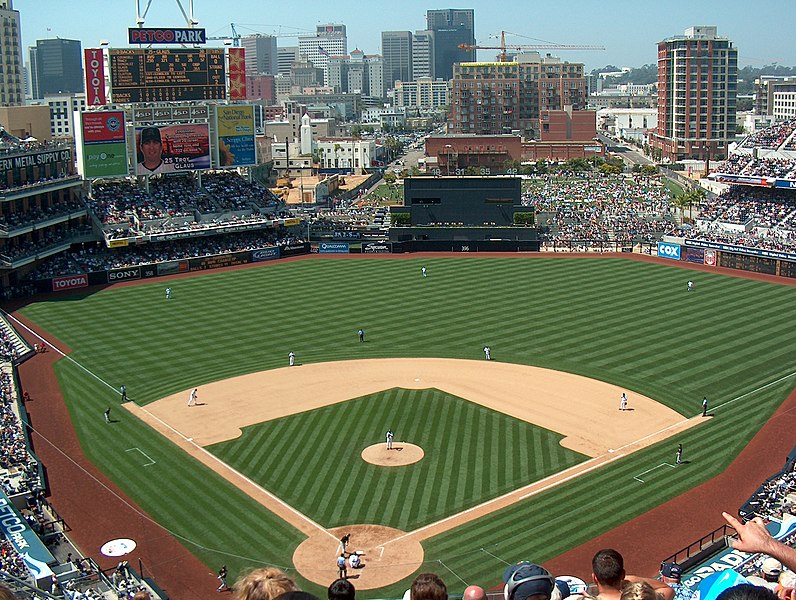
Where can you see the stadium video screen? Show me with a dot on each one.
(167, 75)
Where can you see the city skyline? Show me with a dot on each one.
(629, 31)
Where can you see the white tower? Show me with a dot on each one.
(306, 135)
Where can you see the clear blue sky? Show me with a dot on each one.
(628, 29)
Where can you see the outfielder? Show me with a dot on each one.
(291, 359)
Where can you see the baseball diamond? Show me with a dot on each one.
(567, 337)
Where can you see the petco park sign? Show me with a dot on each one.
(141, 35)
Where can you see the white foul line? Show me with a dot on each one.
(762, 387)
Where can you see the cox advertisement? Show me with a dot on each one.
(669, 250)
(172, 148)
(235, 135)
(104, 147)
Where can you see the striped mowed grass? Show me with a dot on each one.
(627, 323)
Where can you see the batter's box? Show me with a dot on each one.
(638, 477)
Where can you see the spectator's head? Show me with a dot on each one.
(608, 569)
(474, 592)
(747, 591)
(771, 569)
(527, 581)
(142, 595)
(341, 589)
(671, 573)
(296, 595)
(640, 590)
(263, 584)
(6, 594)
(428, 586)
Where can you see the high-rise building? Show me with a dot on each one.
(374, 64)
(423, 54)
(396, 52)
(451, 27)
(697, 84)
(261, 55)
(56, 67)
(11, 76)
(422, 94)
(285, 57)
(496, 98)
(329, 40)
(355, 74)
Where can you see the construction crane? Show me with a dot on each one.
(522, 47)
(235, 37)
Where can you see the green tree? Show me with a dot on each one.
(610, 169)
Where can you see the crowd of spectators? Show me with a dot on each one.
(35, 214)
(748, 166)
(597, 208)
(50, 238)
(96, 257)
(771, 137)
(18, 468)
(10, 560)
(233, 192)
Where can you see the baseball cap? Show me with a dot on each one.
(771, 566)
(150, 134)
(526, 579)
(672, 570)
(563, 588)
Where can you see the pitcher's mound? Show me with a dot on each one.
(400, 455)
(384, 561)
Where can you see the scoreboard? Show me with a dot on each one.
(167, 75)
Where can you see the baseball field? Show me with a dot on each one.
(522, 457)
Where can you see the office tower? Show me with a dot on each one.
(56, 67)
(261, 55)
(697, 84)
(329, 40)
(285, 57)
(451, 27)
(423, 54)
(396, 52)
(11, 78)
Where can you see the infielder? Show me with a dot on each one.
(291, 359)
(623, 402)
(361, 334)
(487, 353)
(193, 397)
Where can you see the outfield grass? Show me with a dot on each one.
(473, 454)
(627, 323)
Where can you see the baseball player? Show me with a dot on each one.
(168, 293)
(423, 271)
(291, 359)
(487, 353)
(361, 334)
(222, 578)
(390, 436)
(679, 458)
(623, 402)
(690, 286)
(705, 406)
(193, 397)
(107, 414)
(123, 391)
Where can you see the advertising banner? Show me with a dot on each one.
(235, 125)
(104, 149)
(785, 183)
(710, 257)
(333, 248)
(70, 282)
(125, 274)
(25, 541)
(346, 234)
(159, 35)
(16, 164)
(265, 254)
(695, 255)
(669, 250)
(172, 148)
(94, 68)
(237, 73)
(173, 266)
(296, 249)
(742, 249)
(376, 248)
(220, 260)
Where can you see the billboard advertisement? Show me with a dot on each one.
(167, 35)
(95, 76)
(172, 148)
(669, 250)
(235, 125)
(333, 248)
(237, 73)
(103, 150)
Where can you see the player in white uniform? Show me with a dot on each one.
(423, 271)
(168, 293)
(193, 397)
(690, 286)
(487, 353)
(291, 359)
(623, 402)
(389, 439)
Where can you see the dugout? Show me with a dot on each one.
(462, 208)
